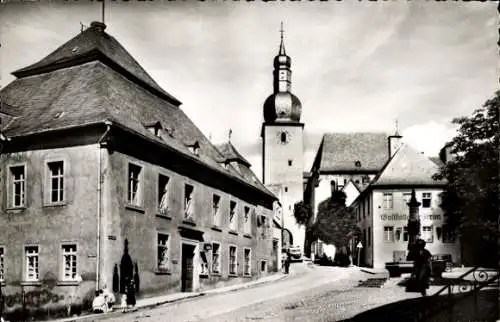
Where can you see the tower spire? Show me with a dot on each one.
(282, 43)
(397, 129)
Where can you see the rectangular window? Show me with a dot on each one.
(290, 163)
(389, 234)
(247, 264)
(2, 264)
(31, 258)
(56, 181)
(399, 231)
(215, 210)
(364, 209)
(163, 258)
(405, 234)
(215, 258)
(18, 179)
(247, 225)
(448, 234)
(368, 205)
(388, 201)
(69, 260)
(163, 194)
(406, 198)
(232, 260)
(426, 199)
(188, 201)
(263, 266)
(427, 234)
(134, 184)
(232, 215)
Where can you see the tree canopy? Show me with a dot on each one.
(335, 223)
(302, 213)
(470, 199)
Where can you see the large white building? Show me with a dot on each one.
(382, 210)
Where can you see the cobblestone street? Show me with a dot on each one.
(310, 293)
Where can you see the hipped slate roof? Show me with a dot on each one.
(408, 167)
(92, 90)
(91, 44)
(341, 151)
(231, 154)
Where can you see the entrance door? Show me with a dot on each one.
(187, 268)
(275, 255)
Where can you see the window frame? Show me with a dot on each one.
(235, 272)
(216, 218)
(233, 215)
(11, 191)
(388, 201)
(63, 261)
(26, 263)
(391, 233)
(218, 261)
(167, 268)
(245, 264)
(188, 204)
(430, 232)
(426, 200)
(247, 220)
(162, 198)
(139, 182)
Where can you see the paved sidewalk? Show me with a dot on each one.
(169, 298)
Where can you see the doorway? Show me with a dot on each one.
(187, 267)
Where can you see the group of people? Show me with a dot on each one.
(105, 300)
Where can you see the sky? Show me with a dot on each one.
(356, 66)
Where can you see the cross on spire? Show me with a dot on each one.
(282, 44)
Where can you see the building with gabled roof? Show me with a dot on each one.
(106, 179)
(382, 210)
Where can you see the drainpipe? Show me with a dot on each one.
(98, 259)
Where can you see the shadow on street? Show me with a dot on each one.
(463, 309)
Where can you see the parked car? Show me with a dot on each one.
(295, 253)
(441, 263)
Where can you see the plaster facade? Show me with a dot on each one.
(383, 226)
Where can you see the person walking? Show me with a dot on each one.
(287, 263)
(131, 294)
(422, 268)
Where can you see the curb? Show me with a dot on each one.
(94, 317)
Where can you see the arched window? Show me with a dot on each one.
(283, 136)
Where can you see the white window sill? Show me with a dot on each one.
(247, 275)
(232, 275)
(55, 204)
(135, 208)
(162, 272)
(68, 283)
(216, 274)
(16, 209)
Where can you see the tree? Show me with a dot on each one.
(470, 199)
(302, 213)
(336, 223)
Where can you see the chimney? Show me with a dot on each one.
(394, 143)
(99, 26)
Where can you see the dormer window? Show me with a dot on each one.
(195, 148)
(155, 128)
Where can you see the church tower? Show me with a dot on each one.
(282, 146)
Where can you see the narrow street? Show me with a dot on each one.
(310, 293)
